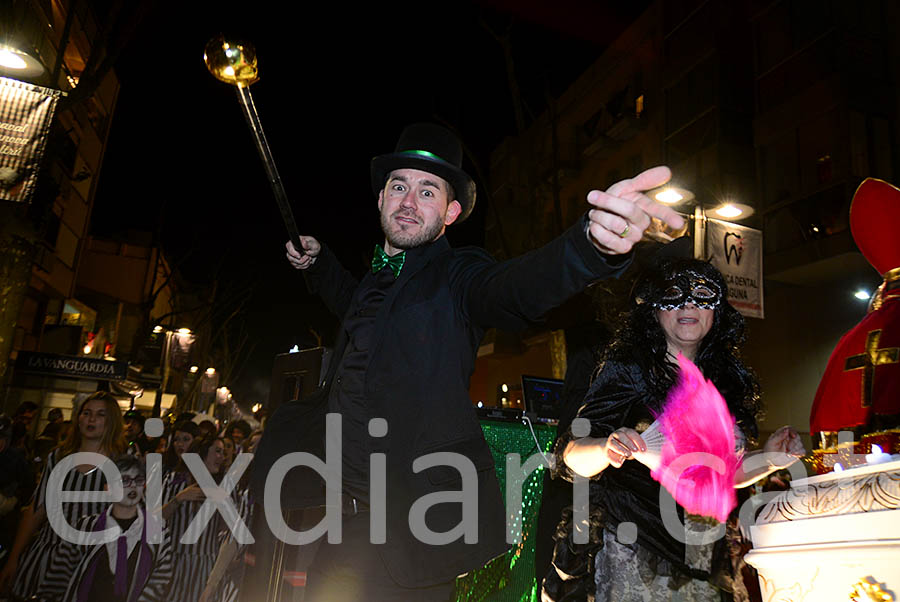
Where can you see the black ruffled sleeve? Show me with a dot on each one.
(613, 397)
(619, 397)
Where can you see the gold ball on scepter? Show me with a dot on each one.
(231, 61)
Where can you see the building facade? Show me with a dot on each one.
(46, 241)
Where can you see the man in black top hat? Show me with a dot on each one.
(402, 361)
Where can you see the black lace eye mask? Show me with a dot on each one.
(689, 287)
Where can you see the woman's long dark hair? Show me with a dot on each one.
(640, 340)
(170, 458)
(200, 446)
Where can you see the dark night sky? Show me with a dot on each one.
(337, 84)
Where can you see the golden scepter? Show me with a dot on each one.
(234, 63)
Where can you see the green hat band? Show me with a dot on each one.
(424, 154)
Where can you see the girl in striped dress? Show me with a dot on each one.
(99, 430)
(225, 580)
(182, 499)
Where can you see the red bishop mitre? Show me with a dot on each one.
(863, 374)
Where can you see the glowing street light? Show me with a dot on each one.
(223, 395)
(11, 60)
(668, 196)
(672, 195)
(19, 64)
(728, 211)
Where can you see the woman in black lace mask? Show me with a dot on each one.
(678, 306)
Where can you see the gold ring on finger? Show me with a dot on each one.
(625, 231)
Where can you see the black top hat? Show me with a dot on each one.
(432, 148)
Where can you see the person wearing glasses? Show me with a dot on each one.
(126, 569)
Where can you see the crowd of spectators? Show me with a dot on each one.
(38, 563)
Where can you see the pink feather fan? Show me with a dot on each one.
(698, 462)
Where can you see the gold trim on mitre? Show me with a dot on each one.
(892, 275)
(873, 180)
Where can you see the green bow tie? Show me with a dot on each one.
(381, 259)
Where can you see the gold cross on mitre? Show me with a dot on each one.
(866, 361)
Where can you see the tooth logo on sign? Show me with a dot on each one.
(736, 248)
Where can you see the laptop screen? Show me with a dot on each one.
(542, 396)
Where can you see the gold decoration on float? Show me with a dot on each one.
(868, 590)
(892, 275)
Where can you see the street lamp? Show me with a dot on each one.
(176, 346)
(730, 210)
(673, 195)
(19, 64)
(11, 60)
(677, 195)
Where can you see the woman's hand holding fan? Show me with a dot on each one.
(622, 444)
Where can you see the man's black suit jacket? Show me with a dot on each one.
(425, 342)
